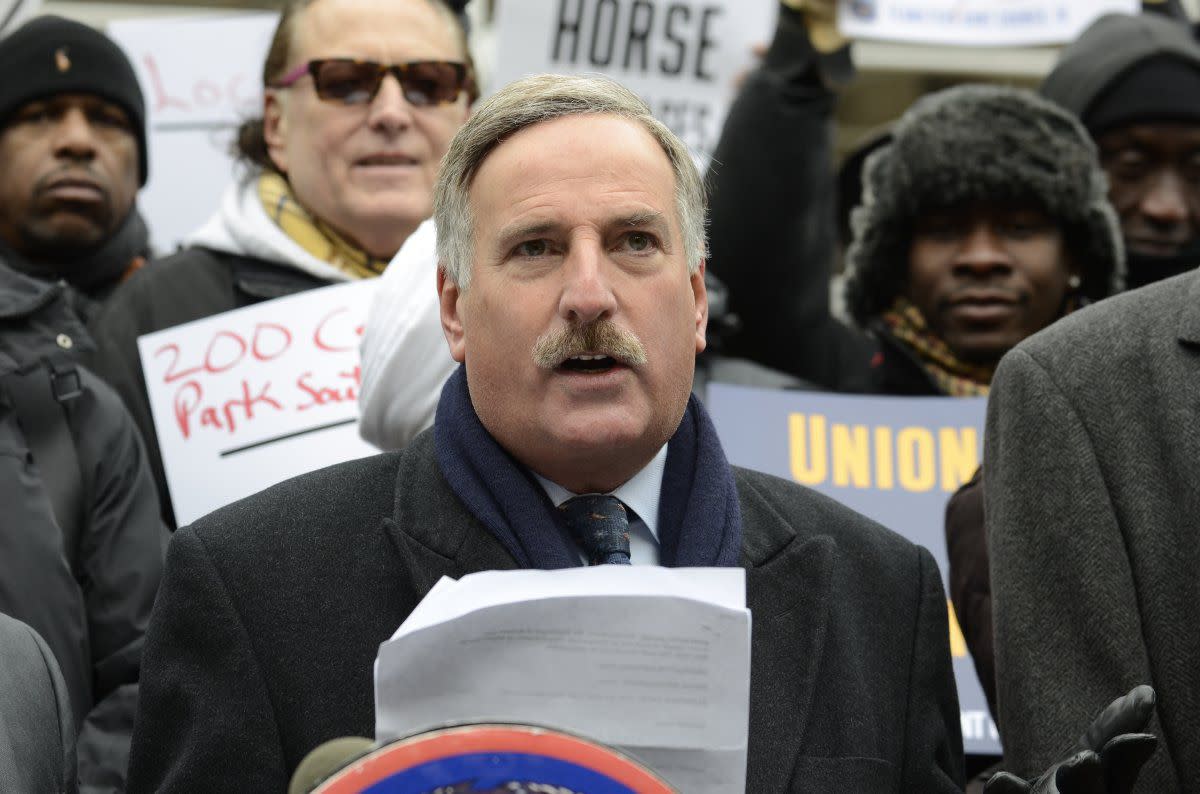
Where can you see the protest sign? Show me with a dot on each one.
(16, 13)
(201, 78)
(975, 22)
(681, 56)
(248, 398)
(894, 459)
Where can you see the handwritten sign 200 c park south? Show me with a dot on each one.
(246, 399)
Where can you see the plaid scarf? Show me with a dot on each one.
(310, 233)
(953, 377)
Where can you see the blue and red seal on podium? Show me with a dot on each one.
(494, 759)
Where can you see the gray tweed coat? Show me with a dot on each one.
(37, 733)
(273, 608)
(1093, 508)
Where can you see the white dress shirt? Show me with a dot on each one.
(640, 495)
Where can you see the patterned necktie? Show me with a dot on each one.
(600, 525)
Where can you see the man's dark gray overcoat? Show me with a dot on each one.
(1092, 501)
(273, 608)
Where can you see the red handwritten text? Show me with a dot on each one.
(204, 94)
(337, 333)
(346, 392)
(222, 416)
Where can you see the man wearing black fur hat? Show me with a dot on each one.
(72, 156)
(983, 221)
(1134, 82)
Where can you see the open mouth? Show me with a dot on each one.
(589, 363)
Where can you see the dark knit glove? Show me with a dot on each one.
(1106, 760)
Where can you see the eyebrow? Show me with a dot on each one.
(635, 220)
(640, 220)
(509, 237)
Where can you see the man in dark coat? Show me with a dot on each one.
(72, 157)
(1134, 82)
(1091, 501)
(81, 541)
(572, 292)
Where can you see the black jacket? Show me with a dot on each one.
(88, 595)
(772, 232)
(1108, 49)
(273, 609)
(189, 285)
(95, 275)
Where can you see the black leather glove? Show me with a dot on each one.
(1106, 760)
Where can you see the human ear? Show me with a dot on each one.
(275, 129)
(449, 297)
(700, 293)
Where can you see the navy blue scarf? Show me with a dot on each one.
(699, 522)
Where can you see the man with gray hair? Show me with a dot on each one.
(571, 287)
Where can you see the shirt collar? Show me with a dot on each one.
(640, 493)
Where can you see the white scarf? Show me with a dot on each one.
(405, 357)
(241, 226)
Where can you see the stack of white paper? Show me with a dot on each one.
(654, 661)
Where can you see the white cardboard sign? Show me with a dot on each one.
(201, 78)
(248, 398)
(681, 56)
(975, 22)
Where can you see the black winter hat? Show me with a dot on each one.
(51, 55)
(975, 143)
(1108, 49)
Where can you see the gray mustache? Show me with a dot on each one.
(602, 337)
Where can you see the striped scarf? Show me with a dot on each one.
(953, 377)
(310, 233)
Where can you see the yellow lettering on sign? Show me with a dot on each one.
(958, 449)
(851, 456)
(809, 466)
(958, 643)
(919, 459)
(914, 459)
(884, 480)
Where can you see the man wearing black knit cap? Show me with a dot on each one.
(72, 156)
(1134, 82)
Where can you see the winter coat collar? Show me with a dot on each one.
(37, 320)
(98, 273)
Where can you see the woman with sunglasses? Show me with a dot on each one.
(360, 101)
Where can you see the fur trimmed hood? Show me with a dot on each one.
(980, 143)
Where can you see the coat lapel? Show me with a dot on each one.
(432, 531)
(788, 590)
(1189, 314)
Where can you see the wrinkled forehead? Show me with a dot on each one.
(633, 161)
(388, 31)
